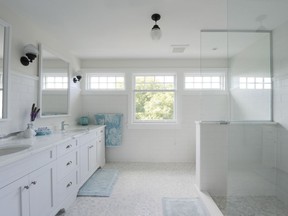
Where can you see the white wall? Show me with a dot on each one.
(155, 145)
(23, 85)
(280, 106)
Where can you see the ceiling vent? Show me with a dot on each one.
(179, 48)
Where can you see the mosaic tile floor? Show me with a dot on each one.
(139, 190)
(251, 206)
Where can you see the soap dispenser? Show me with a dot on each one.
(29, 132)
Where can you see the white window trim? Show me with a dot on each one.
(254, 83)
(161, 124)
(203, 72)
(88, 77)
(107, 72)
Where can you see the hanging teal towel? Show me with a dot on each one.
(113, 130)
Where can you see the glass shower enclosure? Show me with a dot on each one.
(256, 51)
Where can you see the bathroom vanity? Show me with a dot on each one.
(46, 177)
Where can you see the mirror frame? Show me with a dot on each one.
(40, 65)
(6, 67)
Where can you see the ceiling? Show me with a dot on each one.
(121, 29)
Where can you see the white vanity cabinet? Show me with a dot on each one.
(88, 155)
(47, 179)
(31, 194)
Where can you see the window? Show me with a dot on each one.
(204, 82)
(255, 83)
(154, 98)
(106, 82)
(55, 81)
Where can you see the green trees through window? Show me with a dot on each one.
(154, 98)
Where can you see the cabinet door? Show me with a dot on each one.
(84, 163)
(14, 198)
(101, 147)
(88, 161)
(42, 183)
(92, 164)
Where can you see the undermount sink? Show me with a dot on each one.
(6, 150)
(74, 130)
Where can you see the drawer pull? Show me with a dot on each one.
(26, 187)
(70, 162)
(90, 146)
(68, 185)
(68, 146)
(33, 182)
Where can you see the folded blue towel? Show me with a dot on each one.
(42, 131)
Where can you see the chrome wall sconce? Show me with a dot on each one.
(30, 53)
(156, 31)
(77, 78)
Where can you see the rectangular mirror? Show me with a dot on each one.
(54, 84)
(4, 67)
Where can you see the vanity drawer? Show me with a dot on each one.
(67, 185)
(66, 164)
(86, 138)
(66, 147)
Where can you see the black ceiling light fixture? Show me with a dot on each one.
(77, 78)
(156, 31)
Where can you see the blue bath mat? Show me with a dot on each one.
(100, 184)
(182, 207)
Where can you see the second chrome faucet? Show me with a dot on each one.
(63, 125)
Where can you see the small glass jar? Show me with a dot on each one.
(84, 120)
(29, 132)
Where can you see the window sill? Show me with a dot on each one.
(103, 92)
(204, 92)
(156, 126)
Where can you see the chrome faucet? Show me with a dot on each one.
(63, 125)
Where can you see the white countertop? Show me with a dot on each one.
(41, 143)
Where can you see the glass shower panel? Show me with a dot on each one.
(257, 147)
(252, 174)
(250, 75)
(212, 83)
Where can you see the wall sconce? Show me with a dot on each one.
(30, 53)
(77, 78)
